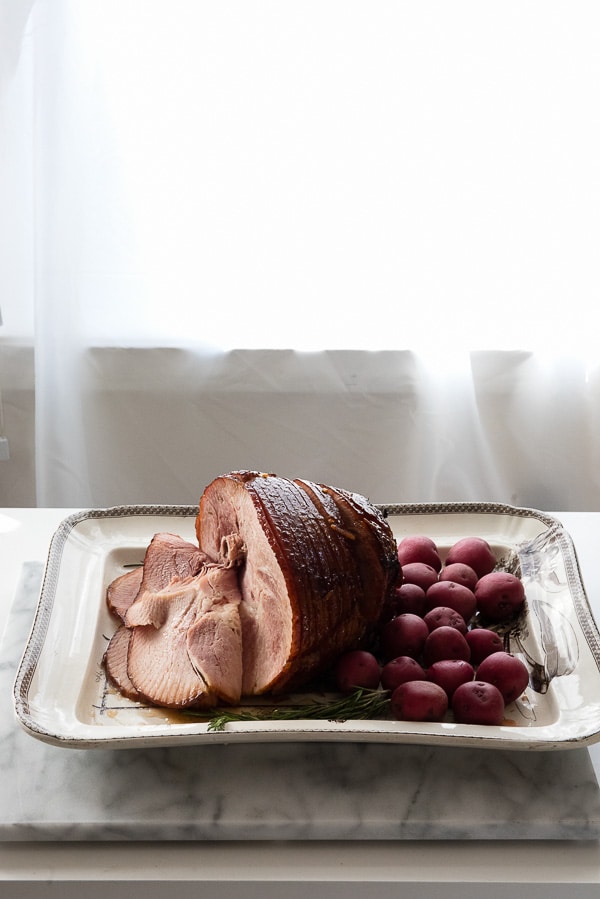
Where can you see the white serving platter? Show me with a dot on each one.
(61, 695)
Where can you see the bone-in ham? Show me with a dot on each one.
(285, 576)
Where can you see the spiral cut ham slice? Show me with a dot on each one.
(116, 661)
(181, 640)
(185, 647)
(286, 575)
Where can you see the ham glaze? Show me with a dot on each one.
(285, 576)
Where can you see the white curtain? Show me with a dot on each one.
(356, 242)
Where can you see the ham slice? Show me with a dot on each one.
(116, 661)
(169, 556)
(123, 590)
(185, 647)
(286, 575)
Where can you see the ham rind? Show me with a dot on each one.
(305, 597)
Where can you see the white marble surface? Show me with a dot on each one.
(304, 791)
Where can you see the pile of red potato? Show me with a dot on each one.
(435, 652)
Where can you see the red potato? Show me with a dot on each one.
(445, 643)
(442, 616)
(407, 598)
(404, 635)
(474, 552)
(460, 573)
(449, 674)
(453, 595)
(506, 672)
(355, 669)
(399, 671)
(419, 548)
(499, 595)
(483, 642)
(478, 702)
(419, 700)
(419, 573)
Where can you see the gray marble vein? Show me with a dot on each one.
(286, 791)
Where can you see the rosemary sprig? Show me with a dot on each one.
(361, 703)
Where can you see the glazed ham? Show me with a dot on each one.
(286, 575)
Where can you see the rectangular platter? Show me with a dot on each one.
(61, 695)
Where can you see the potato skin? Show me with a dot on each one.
(419, 548)
(445, 642)
(449, 674)
(499, 595)
(454, 595)
(419, 700)
(460, 573)
(400, 670)
(406, 598)
(506, 672)
(404, 635)
(419, 573)
(441, 616)
(483, 642)
(478, 702)
(357, 668)
(475, 552)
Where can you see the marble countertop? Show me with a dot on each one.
(309, 798)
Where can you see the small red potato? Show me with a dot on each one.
(474, 552)
(478, 702)
(483, 642)
(408, 598)
(398, 671)
(442, 616)
(445, 643)
(506, 672)
(419, 548)
(450, 674)
(404, 635)
(456, 596)
(357, 668)
(419, 573)
(460, 573)
(419, 700)
(499, 595)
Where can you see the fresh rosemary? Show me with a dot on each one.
(362, 703)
